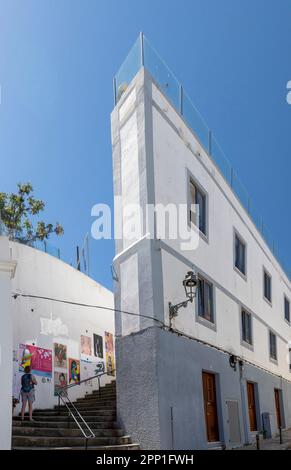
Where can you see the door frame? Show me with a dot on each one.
(281, 408)
(257, 407)
(218, 408)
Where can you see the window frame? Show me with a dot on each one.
(287, 301)
(198, 188)
(272, 358)
(245, 342)
(266, 273)
(237, 236)
(210, 323)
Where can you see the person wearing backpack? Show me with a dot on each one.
(28, 381)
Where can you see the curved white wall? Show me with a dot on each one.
(7, 268)
(44, 322)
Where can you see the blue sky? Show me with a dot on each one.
(57, 61)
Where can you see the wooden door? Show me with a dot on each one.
(210, 407)
(278, 408)
(252, 406)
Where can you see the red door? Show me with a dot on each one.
(252, 406)
(210, 407)
(278, 408)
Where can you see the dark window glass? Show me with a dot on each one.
(246, 327)
(205, 300)
(287, 309)
(240, 255)
(273, 346)
(198, 198)
(267, 286)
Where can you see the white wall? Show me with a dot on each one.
(6, 271)
(175, 154)
(45, 322)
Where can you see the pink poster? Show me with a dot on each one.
(39, 359)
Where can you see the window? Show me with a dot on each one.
(246, 320)
(205, 300)
(267, 286)
(198, 197)
(287, 309)
(240, 254)
(273, 346)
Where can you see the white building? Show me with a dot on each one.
(7, 269)
(44, 300)
(228, 377)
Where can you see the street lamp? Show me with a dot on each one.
(190, 285)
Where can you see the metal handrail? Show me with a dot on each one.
(63, 392)
(97, 376)
(91, 433)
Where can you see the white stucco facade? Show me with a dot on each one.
(167, 157)
(7, 270)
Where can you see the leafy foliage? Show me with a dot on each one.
(17, 211)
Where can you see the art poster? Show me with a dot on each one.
(60, 356)
(60, 381)
(74, 371)
(86, 345)
(109, 349)
(39, 359)
(98, 345)
(99, 367)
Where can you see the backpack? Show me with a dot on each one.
(26, 383)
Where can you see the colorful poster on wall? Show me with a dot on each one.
(109, 348)
(86, 345)
(60, 355)
(60, 381)
(74, 371)
(99, 368)
(98, 345)
(39, 359)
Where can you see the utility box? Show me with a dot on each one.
(266, 425)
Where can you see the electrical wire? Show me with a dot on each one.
(78, 304)
(162, 326)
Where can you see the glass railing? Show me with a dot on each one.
(144, 55)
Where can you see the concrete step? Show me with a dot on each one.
(63, 424)
(95, 400)
(63, 418)
(62, 432)
(78, 406)
(96, 448)
(92, 398)
(46, 441)
(91, 403)
(101, 396)
(91, 412)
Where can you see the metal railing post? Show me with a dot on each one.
(258, 442)
(114, 91)
(142, 49)
(281, 435)
(73, 410)
(181, 100)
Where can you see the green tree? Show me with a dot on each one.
(17, 211)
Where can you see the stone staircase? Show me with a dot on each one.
(55, 430)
